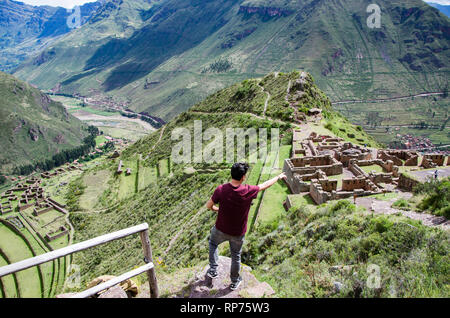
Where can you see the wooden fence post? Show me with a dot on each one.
(154, 293)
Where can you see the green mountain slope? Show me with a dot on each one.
(293, 251)
(32, 126)
(165, 56)
(26, 30)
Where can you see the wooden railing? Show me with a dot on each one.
(149, 267)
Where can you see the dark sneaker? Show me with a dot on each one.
(235, 285)
(211, 273)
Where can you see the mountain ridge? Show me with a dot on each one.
(26, 29)
(33, 127)
(408, 54)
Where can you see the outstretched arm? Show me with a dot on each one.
(210, 206)
(271, 182)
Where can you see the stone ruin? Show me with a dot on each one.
(400, 157)
(68, 167)
(319, 157)
(53, 235)
(15, 221)
(433, 160)
(32, 195)
(41, 208)
(5, 208)
(119, 168)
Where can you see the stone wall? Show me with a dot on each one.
(407, 183)
(312, 161)
(42, 211)
(298, 185)
(328, 185)
(51, 237)
(385, 156)
(412, 162)
(358, 183)
(357, 171)
(381, 178)
(428, 163)
(436, 159)
(317, 193)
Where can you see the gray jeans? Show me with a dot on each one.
(216, 238)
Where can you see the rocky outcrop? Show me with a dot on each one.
(34, 134)
(59, 139)
(203, 287)
(237, 37)
(265, 11)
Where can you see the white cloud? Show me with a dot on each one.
(443, 2)
(57, 3)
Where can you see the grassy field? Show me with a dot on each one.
(376, 168)
(9, 288)
(96, 183)
(147, 176)
(47, 269)
(164, 167)
(298, 200)
(123, 133)
(272, 205)
(99, 140)
(127, 183)
(16, 250)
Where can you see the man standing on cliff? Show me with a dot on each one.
(234, 199)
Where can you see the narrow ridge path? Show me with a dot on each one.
(267, 100)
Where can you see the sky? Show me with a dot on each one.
(443, 2)
(58, 3)
(71, 3)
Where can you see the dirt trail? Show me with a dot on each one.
(385, 207)
(386, 99)
(251, 114)
(267, 100)
(159, 140)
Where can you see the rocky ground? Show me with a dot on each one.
(378, 206)
(201, 286)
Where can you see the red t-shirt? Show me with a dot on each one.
(234, 207)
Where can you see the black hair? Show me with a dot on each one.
(238, 170)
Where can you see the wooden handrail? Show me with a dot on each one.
(114, 281)
(47, 257)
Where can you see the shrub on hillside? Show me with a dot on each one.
(246, 91)
(313, 248)
(437, 197)
(401, 204)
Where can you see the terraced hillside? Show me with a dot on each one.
(291, 250)
(165, 56)
(22, 235)
(32, 126)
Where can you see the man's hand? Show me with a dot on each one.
(282, 176)
(210, 206)
(271, 182)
